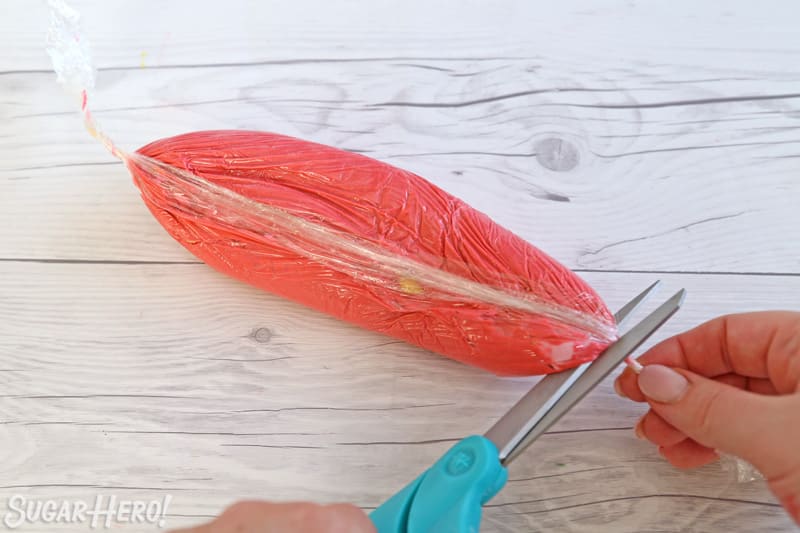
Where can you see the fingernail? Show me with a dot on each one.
(618, 389)
(639, 431)
(662, 384)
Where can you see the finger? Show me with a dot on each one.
(313, 518)
(252, 517)
(265, 517)
(343, 518)
(688, 454)
(759, 386)
(629, 387)
(734, 380)
(626, 386)
(740, 344)
(787, 489)
(760, 429)
(655, 429)
(734, 344)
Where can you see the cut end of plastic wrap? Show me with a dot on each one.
(634, 365)
(741, 469)
(70, 54)
(69, 50)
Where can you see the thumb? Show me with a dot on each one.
(762, 430)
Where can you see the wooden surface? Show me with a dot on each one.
(631, 141)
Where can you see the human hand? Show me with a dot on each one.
(730, 385)
(264, 517)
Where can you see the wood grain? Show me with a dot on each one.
(630, 141)
(179, 379)
(682, 188)
(676, 165)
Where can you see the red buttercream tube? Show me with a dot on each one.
(373, 245)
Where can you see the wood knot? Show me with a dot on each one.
(557, 154)
(261, 335)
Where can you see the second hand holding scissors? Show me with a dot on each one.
(448, 497)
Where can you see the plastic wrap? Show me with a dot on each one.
(356, 238)
(373, 245)
(742, 470)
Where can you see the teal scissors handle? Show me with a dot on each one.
(448, 497)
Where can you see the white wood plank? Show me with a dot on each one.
(618, 32)
(141, 380)
(687, 197)
(685, 155)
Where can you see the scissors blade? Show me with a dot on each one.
(513, 427)
(556, 394)
(622, 315)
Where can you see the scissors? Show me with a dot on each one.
(448, 497)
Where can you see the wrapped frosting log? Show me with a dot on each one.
(371, 244)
